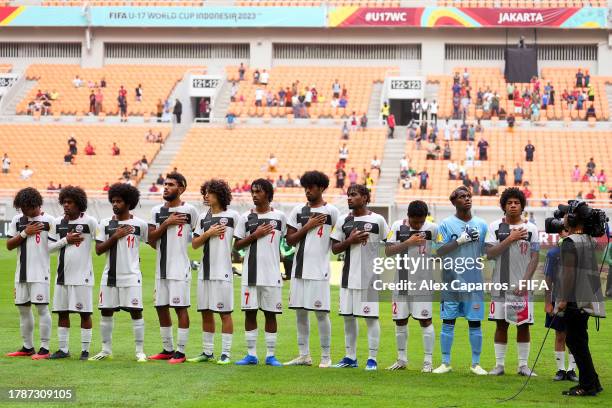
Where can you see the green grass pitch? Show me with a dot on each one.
(122, 382)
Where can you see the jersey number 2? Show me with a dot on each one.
(179, 231)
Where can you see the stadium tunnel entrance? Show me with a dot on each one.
(202, 108)
(402, 110)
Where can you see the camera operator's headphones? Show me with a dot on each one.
(572, 211)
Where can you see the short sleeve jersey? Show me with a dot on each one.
(33, 253)
(261, 265)
(312, 252)
(172, 247)
(216, 261)
(122, 268)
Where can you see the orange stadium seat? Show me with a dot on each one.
(157, 83)
(242, 153)
(358, 82)
(43, 146)
(548, 174)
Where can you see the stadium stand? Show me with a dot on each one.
(548, 174)
(157, 83)
(5, 68)
(136, 3)
(242, 154)
(43, 146)
(357, 80)
(492, 78)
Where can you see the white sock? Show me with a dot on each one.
(324, 333)
(139, 330)
(106, 329)
(208, 342)
(500, 353)
(26, 326)
(350, 336)
(429, 338)
(44, 325)
(572, 363)
(167, 339)
(303, 332)
(401, 338)
(63, 333)
(226, 343)
(373, 337)
(251, 340)
(523, 353)
(85, 339)
(182, 336)
(270, 344)
(560, 359)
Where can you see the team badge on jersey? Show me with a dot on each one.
(279, 306)
(176, 300)
(366, 310)
(318, 304)
(79, 306)
(273, 223)
(367, 227)
(223, 221)
(220, 305)
(39, 297)
(78, 228)
(134, 302)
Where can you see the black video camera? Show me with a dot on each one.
(578, 212)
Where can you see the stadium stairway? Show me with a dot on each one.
(431, 92)
(375, 104)
(390, 170)
(165, 156)
(11, 106)
(222, 102)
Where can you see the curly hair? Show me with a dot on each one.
(455, 193)
(76, 194)
(220, 189)
(129, 194)
(314, 178)
(360, 189)
(28, 197)
(266, 186)
(418, 208)
(512, 192)
(178, 177)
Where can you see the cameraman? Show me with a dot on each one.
(578, 290)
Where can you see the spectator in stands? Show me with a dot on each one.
(475, 186)
(602, 188)
(336, 89)
(289, 181)
(518, 175)
(138, 93)
(535, 112)
(280, 183)
(241, 72)
(375, 164)
(404, 164)
(470, 153)
(98, 102)
(545, 201)
(510, 91)
(342, 102)
(467, 182)
(92, 103)
(51, 186)
(144, 164)
(6, 164)
(483, 146)
(580, 98)
(150, 136)
(126, 173)
(601, 178)
(122, 105)
(453, 170)
(590, 196)
(340, 177)
(464, 131)
(68, 158)
(591, 165)
(446, 155)
(72, 144)
(343, 153)
(89, 149)
(363, 122)
(510, 120)
(465, 105)
(501, 174)
(579, 195)
(159, 106)
(178, 110)
(529, 150)
(433, 150)
(462, 170)
(423, 176)
(77, 82)
(122, 91)
(526, 190)
(466, 77)
(264, 78)
(230, 120)
(579, 78)
(106, 186)
(153, 188)
(256, 76)
(493, 185)
(272, 163)
(485, 187)
(353, 176)
(471, 133)
(26, 172)
(521, 43)
(391, 125)
(576, 173)
(590, 113)
(115, 151)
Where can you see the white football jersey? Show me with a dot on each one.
(511, 265)
(400, 232)
(74, 264)
(172, 247)
(122, 268)
(33, 253)
(311, 259)
(261, 265)
(216, 261)
(358, 268)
